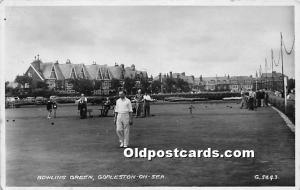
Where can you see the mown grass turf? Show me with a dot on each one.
(90, 147)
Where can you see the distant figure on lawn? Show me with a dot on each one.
(138, 103)
(244, 99)
(147, 99)
(191, 107)
(123, 119)
(259, 98)
(82, 106)
(49, 106)
(106, 107)
(54, 107)
(266, 98)
(251, 100)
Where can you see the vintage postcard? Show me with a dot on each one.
(165, 94)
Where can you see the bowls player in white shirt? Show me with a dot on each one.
(123, 119)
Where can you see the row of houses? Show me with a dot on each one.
(59, 75)
(228, 83)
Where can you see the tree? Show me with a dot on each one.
(42, 92)
(170, 85)
(182, 85)
(115, 85)
(42, 85)
(84, 86)
(6, 84)
(156, 86)
(145, 85)
(9, 91)
(23, 79)
(129, 84)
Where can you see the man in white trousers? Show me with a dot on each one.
(123, 118)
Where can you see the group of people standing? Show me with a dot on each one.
(253, 99)
(51, 106)
(142, 104)
(123, 112)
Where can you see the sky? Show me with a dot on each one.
(197, 40)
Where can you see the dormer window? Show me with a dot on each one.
(73, 75)
(53, 74)
(82, 73)
(99, 74)
(106, 75)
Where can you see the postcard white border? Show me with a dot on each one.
(6, 3)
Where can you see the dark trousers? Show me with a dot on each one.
(243, 103)
(251, 104)
(146, 109)
(259, 103)
(83, 111)
(266, 101)
(105, 110)
(138, 109)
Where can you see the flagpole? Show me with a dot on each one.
(272, 55)
(282, 75)
(266, 73)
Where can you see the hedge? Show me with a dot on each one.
(100, 99)
(278, 102)
(208, 95)
(90, 99)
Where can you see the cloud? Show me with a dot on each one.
(195, 39)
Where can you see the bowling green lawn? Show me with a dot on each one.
(73, 146)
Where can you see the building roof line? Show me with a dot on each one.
(37, 72)
(53, 66)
